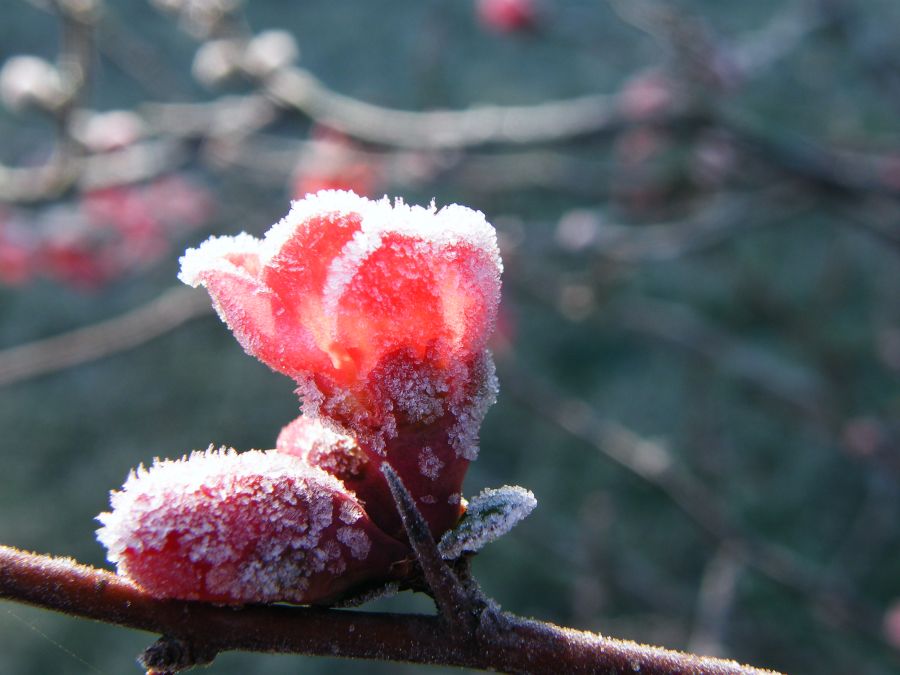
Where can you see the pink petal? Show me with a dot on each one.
(229, 267)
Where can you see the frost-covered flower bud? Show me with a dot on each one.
(241, 528)
(30, 81)
(270, 51)
(381, 313)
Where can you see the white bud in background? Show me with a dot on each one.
(216, 62)
(30, 81)
(269, 51)
(102, 132)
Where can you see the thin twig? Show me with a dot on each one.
(653, 462)
(714, 601)
(170, 310)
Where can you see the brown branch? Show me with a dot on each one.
(171, 309)
(502, 641)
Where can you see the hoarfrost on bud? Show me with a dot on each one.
(235, 528)
(429, 464)
(489, 516)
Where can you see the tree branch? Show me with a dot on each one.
(501, 642)
(171, 309)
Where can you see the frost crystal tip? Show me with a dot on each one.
(381, 313)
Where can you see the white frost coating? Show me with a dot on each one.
(417, 394)
(356, 540)
(430, 465)
(470, 414)
(336, 563)
(212, 255)
(489, 516)
(199, 499)
(350, 513)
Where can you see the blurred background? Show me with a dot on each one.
(698, 205)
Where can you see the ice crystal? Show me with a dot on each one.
(429, 464)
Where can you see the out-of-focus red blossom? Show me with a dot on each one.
(110, 232)
(16, 253)
(358, 178)
(76, 264)
(863, 437)
(507, 16)
(178, 202)
(890, 625)
(16, 264)
(888, 170)
(640, 183)
(239, 528)
(646, 95)
(639, 145)
(333, 161)
(381, 314)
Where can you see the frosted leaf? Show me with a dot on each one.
(489, 516)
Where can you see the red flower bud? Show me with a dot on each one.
(240, 528)
(508, 16)
(381, 313)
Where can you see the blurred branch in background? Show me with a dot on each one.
(99, 340)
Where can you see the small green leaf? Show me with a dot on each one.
(489, 516)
